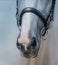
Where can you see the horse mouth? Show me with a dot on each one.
(30, 55)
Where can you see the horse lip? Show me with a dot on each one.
(31, 55)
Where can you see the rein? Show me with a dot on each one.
(46, 21)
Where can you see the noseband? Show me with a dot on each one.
(46, 21)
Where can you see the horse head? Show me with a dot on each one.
(33, 24)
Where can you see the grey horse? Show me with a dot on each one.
(33, 19)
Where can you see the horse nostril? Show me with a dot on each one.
(33, 42)
(20, 46)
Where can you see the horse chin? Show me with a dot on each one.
(30, 56)
(33, 55)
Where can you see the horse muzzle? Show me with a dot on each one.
(31, 50)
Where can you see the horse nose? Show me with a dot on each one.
(20, 46)
(33, 44)
(28, 50)
(28, 46)
(23, 49)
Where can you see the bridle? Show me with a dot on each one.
(46, 21)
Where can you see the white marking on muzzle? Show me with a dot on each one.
(26, 22)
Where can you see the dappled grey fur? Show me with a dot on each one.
(42, 5)
(35, 29)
